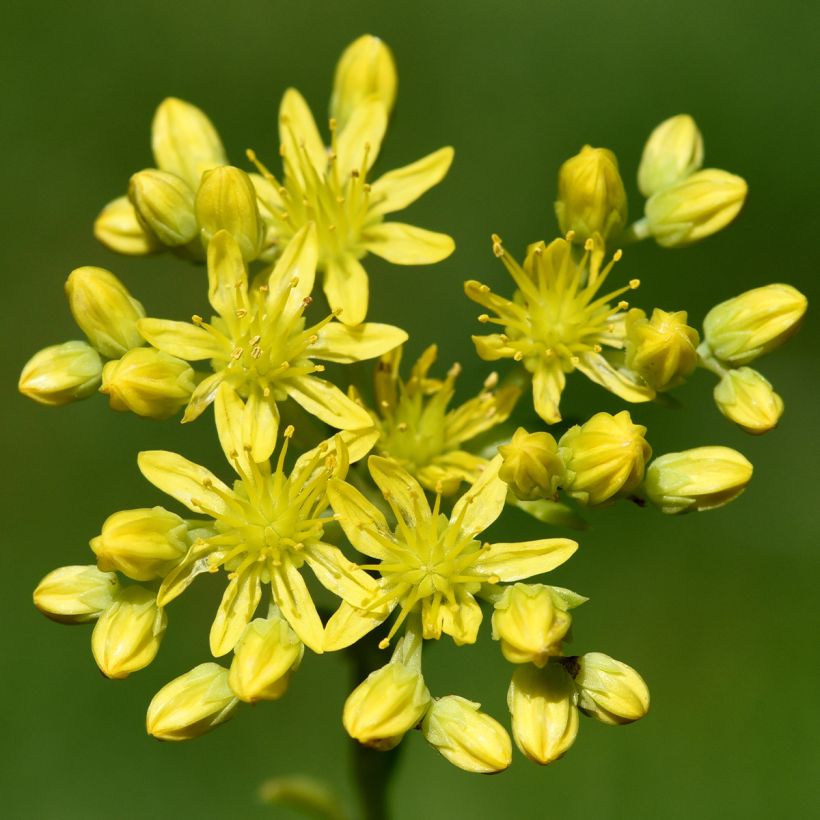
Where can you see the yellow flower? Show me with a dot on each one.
(60, 374)
(417, 430)
(265, 529)
(556, 322)
(329, 186)
(259, 344)
(532, 465)
(429, 561)
(673, 152)
(747, 398)
(609, 690)
(76, 594)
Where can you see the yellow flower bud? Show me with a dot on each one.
(742, 329)
(699, 479)
(226, 200)
(695, 207)
(148, 382)
(604, 457)
(118, 228)
(386, 705)
(164, 204)
(467, 737)
(591, 195)
(661, 350)
(365, 69)
(185, 141)
(192, 704)
(75, 595)
(127, 636)
(747, 398)
(544, 715)
(532, 466)
(673, 151)
(61, 374)
(530, 623)
(610, 691)
(265, 657)
(104, 310)
(143, 544)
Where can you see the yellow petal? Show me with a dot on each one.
(623, 384)
(359, 519)
(245, 427)
(346, 288)
(118, 228)
(512, 562)
(341, 576)
(480, 414)
(325, 401)
(450, 469)
(359, 442)
(260, 424)
(181, 339)
(291, 595)
(310, 463)
(238, 605)
(182, 575)
(493, 347)
(547, 384)
(358, 143)
(397, 189)
(406, 244)
(296, 265)
(482, 503)
(203, 396)
(227, 277)
(401, 489)
(348, 624)
(299, 135)
(460, 621)
(340, 343)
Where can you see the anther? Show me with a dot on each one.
(623, 304)
(484, 318)
(491, 381)
(237, 353)
(597, 348)
(289, 431)
(616, 257)
(254, 340)
(240, 313)
(589, 244)
(634, 283)
(256, 352)
(483, 288)
(402, 427)
(197, 319)
(518, 355)
(570, 235)
(307, 301)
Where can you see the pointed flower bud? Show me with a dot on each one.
(747, 398)
(532, 465)
(164, 204)
(530, 622)
(265, 657)
(695, 207)
(226, 200)
(746, 327)
(466, 736)
(673, 151)
(148, 382)
(661, 350)
(544, 715)
(61, 374)
(604, 457)
(143, 544)
(127, 636)
(610, 691)
(75, 595)
(192, 704)
(366, 69)
(104, 310)
(699, 479)
(118, 228)
(591, 195)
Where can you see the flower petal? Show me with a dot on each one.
(237, 608)
(340, 343)
(620, 382)
(359, 442)
(547, 384)
(401, 490)
(341, 576)
(348, 624)
(182, 575)
(482, 503)
(406, 244)
(397, 189)
(227, 277)
(183, 340)
(347, 289)
(358, 143)
(299, 135)
(460, 621)
(325, 401)
(480, 414)
(446, 472)
(297, 264)
(246, 428)
(203, 396)
(493, 347)
(360, 520)
(512, 562)
(291, 595)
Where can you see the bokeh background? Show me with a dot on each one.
(718, 611)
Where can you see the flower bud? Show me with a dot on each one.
(386, 705)
(467, 737)
(192, 704)
(365, 69)
(265, 657)
(544, 716)
(185, 141)
(104, 310)
(699, 479)
(591, 195)
(742, 329)
(695, 207)
(61, 374)
(143, 544)
(75, 595)
(118, 228)
(127, 636)
(673, 151)
(164, 204)
(661, 350)
(148, 382)
(746, 397)
(604, 457)
(532, 466)
(610, 691)
(226, 200)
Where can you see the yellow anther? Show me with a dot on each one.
(197, 319)
(402, 427)
(484, 318)
(254, 340)
(256, 352)
(237, 353)
(634, 283)
(518, 355)
(589, 244)
(307, 301)
(574, 360)
(623, 304)
(597, 348)
(491, 381)
(240, 313)
(289, 431)
(616, 257)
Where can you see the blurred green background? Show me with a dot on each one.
(718, 611)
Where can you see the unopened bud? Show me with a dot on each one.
(164, 204)
(661, 350)
(118, 228)
(104, 310)
(75, 595)
(61, 374)
(610, 691)
(466, 736)
(591, 195)
(747, 398)
(604, 457)
(192, 704)
(746, 327)
(148, 382)
(699, 479)
(673, 151)
(532, 465)
(695, 207)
